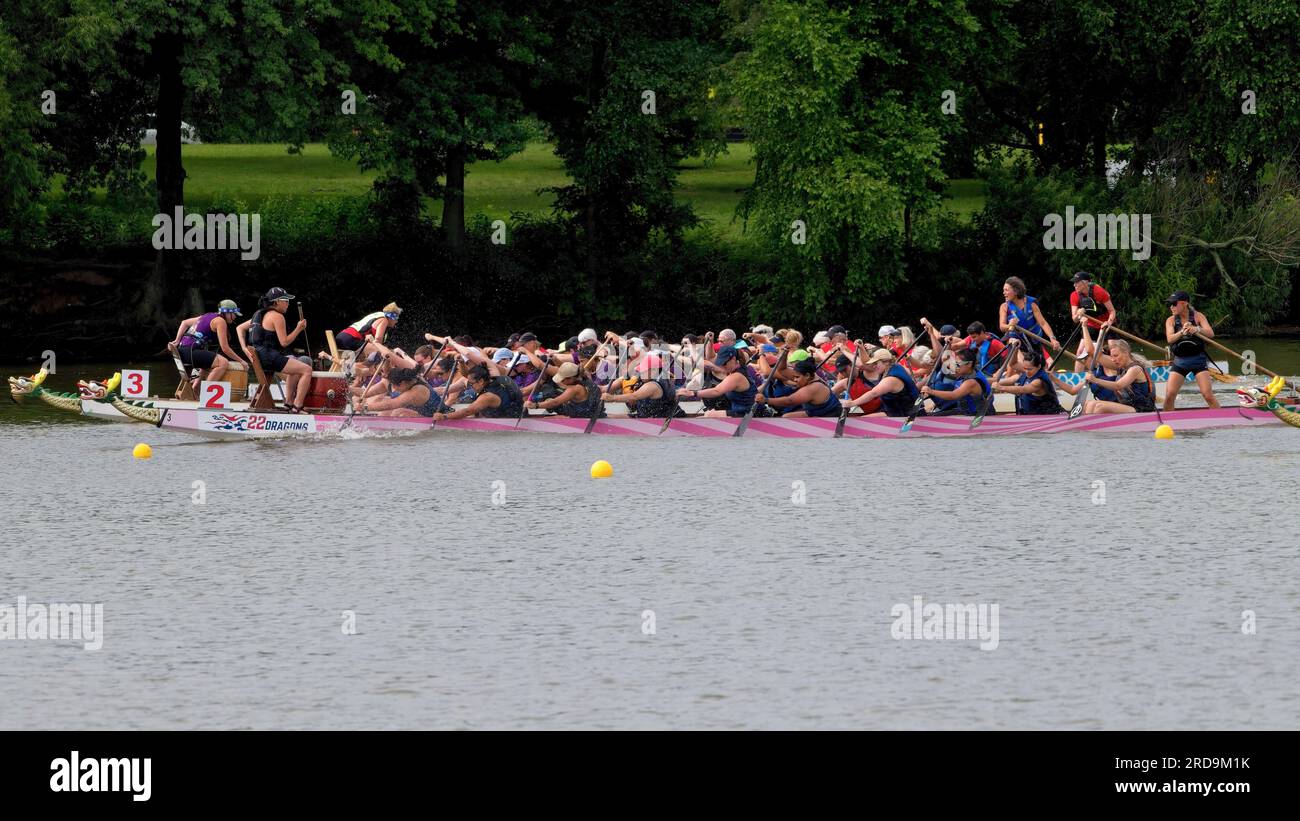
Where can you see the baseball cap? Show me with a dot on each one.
(228, 306)
(887, 330)
(880, 355)
(1081, 276)
(650, 362)
(502, 355)
(740, 344)
(948, 330)
(765, 330)
(821, 338)
(277, 294)
(567, 371)
(770, 348)
(527, 336)
(1178, 296)
(587, 335)
(725, 355)
(798, 356)
(836, 330)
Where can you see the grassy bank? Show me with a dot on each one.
(255, 173)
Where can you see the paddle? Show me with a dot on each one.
(1051, 366)
(920, 397)
(1256, 365)
(988, 400)
(1087, 386)
(523, 406)
(749, 414)
(595, 414)
(853, 374)
(306, 340)
(1038, 338)
(699, 366)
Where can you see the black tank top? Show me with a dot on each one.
(1190, 346)
(259, 337)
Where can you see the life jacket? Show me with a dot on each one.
(970, 405)
(259, 337)
(658, 408)
(900, 402)
(201, 335)
(430, 406)
(1189, 346)
(1139, 395)
(585, 408)
(512, 399)
(739, 402)
(1032, 405)
(828, 407)
(982, 350)
(365, 326)
(1104, 394)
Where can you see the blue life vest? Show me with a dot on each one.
(970, 405)
(1031, 405)
(900, 402)
(1139, 395)
(740, 401)
(1025, 316)
(1104, 394)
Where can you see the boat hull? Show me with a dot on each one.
(242, 425)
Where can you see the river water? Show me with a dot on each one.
(465, 580)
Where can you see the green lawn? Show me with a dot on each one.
(253, 173)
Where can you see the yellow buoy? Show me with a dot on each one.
(1164, 432)
(600, 469)
(142, 451)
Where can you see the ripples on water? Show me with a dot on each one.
(768, 614)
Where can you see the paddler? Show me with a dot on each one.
(578, 395)
(1186, 330)
(737, 385)
(194, 338)
(496, 396)
(267, 338)
(408, 394)
(652, 396)
(987, 347)
(369, 327)
(811, 395)
(890, 383)
(1019, 310)
(1031, 384)
(1092, 303)
(1134, 392)
(963, 393)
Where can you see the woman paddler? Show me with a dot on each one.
(196, 335)
(961, 394)
(653, 395)
(811, 396)
(578, 396)
(496, 396)
(1134, 392)
(1184, 329)
(737, 386)
(1031, 384)
(371, 326)
(266, 336)
(408, 394)
(1021, 311)
(890, 383)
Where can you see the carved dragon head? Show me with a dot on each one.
(21, 386)
(1260, 397)
(96, 390)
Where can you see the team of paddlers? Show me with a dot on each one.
(766, 371)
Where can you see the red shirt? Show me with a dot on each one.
(827, 347)
(860, 387)
(995, 346)
(1101, 297)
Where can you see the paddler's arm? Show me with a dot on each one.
(186, 324)
(649, 390)
(1003, 324)
(482, 403)
(967, 388)
(804, 394)
(1047, 329)
(399, 358)
(570, 393)
(1203, 323)
(733, 382)
(1073, 390)
(889, 384)
(1131, 375)
(223, 340)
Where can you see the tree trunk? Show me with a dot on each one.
(453, 204)
(170, 174)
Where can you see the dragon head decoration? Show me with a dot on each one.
(1261, 397)
(99, 391)
(1266, 399)
(23, 386)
